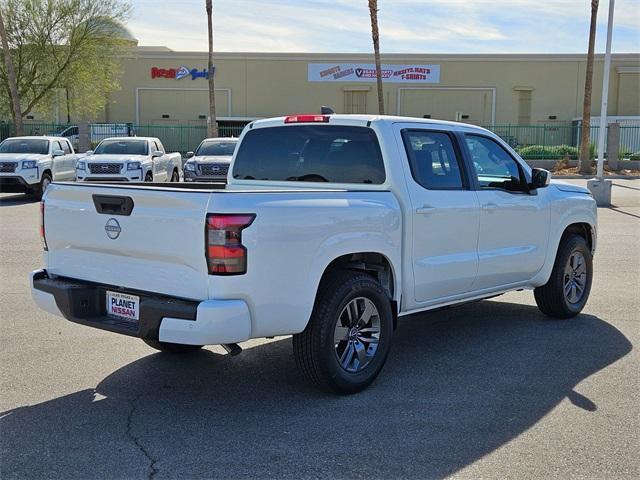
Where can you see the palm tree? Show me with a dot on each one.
(212, 124)
(16, 110)
(585, 157)
(373, 13)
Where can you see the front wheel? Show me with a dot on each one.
(172, 347)
(39, 190)
(567, 291)
(348, 338)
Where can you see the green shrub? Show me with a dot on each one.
(556, 152)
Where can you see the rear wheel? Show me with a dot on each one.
(148, 177)
(175, 177)
(348, 338)
(172, 347)
(567, 291)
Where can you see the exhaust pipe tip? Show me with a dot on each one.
(232, 349)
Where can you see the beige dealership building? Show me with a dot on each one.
(165, 87)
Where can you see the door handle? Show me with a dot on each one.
(425, 210)
(490, 206)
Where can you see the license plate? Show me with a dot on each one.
(122, 305)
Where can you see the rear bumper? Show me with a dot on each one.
(162, 318)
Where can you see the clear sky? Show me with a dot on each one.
(406, 26)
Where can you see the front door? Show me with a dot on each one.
(445, 215)
(514, 224)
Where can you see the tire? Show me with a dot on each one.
(572, 270)
(175, 176)
(148, 177)
(38, 192)
(172, 347)
(322, 351)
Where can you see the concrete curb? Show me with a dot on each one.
(589, 177)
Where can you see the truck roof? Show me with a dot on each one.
(365, 118)
(130, 138)
(37, 137)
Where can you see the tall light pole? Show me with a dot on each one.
(605, 93)
(599, 187)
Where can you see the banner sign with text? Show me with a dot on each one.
(366, 72)
(179, 73)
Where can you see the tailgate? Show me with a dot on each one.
(158, 247)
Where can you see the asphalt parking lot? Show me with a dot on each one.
(486, 390)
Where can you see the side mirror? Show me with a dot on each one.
(57, 153)
(157, 153)
(540, 178)
(89, 152)
(189, 154)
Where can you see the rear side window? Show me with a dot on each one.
(310, 153)
(433, 160)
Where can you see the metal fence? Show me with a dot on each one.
(175, 138)
(549, 142)
(554, 142)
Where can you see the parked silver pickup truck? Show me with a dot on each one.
(210, 162)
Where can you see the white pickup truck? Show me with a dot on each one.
(330, 228)
(130, 159)
(30, 164)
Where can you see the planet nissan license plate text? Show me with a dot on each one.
(122, 305)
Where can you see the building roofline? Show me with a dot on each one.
(395, 57)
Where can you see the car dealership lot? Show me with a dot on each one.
(490, 389)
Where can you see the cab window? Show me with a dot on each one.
(494, 167)
(66, 148)
(433, 160)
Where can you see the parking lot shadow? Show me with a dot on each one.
(459, 384)
(17, 199)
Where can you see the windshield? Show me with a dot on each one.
(310, 153)
(122, 147)
(25, 145)
(216, 148)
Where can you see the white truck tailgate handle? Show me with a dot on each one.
(425, 210)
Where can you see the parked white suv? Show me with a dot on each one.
(30, 164)
(130, 159)
(330, 228)
(211, 160)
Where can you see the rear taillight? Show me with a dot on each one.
(308, 118)
(225, 253)
(42, 235)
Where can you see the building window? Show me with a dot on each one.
(355, 101)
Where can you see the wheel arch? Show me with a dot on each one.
(584, 226)
(582, 229)
(376, 264)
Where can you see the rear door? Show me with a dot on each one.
(58, 167)
(514, 225)
(158, 246)
(445, 214)
(161, 164)
(69, 160)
